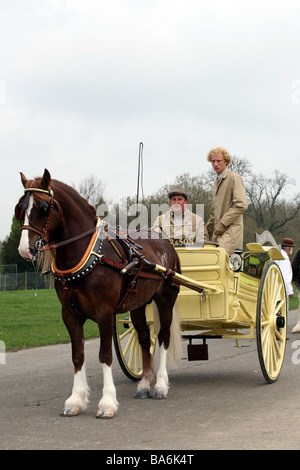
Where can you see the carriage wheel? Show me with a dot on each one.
(271, 322)
(127, 347)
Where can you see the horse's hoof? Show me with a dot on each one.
(159, 394)
(142, 393)
(70, 411)
(105, 414)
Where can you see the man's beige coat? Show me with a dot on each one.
(225, 224)
(187, 232)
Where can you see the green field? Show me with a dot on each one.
(293, 302)
(33, 318)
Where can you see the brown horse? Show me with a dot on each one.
(87, 266)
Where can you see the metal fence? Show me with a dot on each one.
(10, 279)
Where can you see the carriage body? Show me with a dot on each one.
(228, 311)
(249, 303)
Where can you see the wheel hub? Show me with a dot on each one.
(280, 322)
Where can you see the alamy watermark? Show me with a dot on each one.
(296, 354)
(137, 217)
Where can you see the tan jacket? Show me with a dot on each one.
(225, 224)
(189, 230)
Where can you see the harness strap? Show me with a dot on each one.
(49, 191)
(131, 289)
(35, 230)
(115, 264)
(121, 266)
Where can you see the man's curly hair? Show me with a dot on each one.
(219, 150)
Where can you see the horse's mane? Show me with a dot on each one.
(44, 261)
(73, 193)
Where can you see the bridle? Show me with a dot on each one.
(42, 232)
(47, 207)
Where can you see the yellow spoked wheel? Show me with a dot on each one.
(271, 319)
(127, 347)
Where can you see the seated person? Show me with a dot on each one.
(181, 226)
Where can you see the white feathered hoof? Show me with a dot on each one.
(296, 328)
(142, 393)
(105, 413)
(70, 411)
(160, 394)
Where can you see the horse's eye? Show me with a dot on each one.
(44, 209)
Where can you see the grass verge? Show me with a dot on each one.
(33, 318)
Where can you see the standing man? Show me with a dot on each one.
(225, 224)
(181, 226)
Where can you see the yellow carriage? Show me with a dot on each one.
(220, 297)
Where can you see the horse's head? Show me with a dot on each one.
(38, 213)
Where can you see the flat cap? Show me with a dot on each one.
(177, 192)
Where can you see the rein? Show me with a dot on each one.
(53, 246)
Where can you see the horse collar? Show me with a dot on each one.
(90, 258)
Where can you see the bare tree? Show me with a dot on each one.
(267, 206)
(92, 189)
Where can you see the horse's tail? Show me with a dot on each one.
(175, 347)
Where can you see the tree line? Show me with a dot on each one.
(272, 206)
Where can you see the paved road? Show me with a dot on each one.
(223, 403)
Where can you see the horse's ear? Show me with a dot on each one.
(46, 179)
(23, 179)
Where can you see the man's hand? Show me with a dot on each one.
(220, 229)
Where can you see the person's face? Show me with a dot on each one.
(218, 163)
(177, 203)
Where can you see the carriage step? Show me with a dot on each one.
(197, 352)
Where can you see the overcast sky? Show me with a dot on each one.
(82, 82)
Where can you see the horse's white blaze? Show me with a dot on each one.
(24, 248)
(108, 401)
(80, 393)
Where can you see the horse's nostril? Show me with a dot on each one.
(33, 252)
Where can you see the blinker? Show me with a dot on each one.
(43, 208)
(25, 202)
